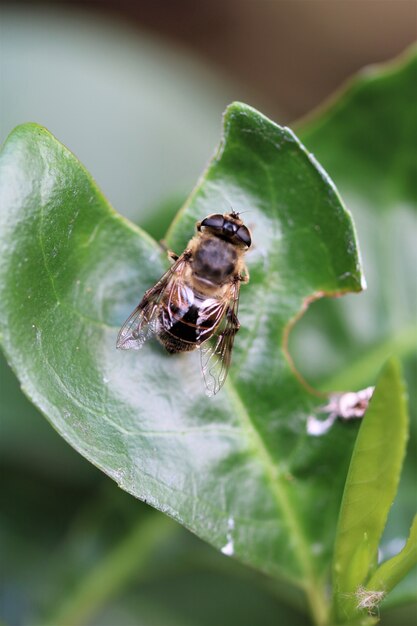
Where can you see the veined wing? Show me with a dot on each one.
(216, 353)
(144, 320)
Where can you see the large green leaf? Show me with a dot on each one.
(371, 486)
(239, 469)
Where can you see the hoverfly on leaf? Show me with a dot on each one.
(194, 305)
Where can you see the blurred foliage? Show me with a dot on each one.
(366, 137)
(60, 525)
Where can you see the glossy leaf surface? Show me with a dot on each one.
(371, 486)
(238, 468)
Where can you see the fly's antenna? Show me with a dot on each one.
(236, 214)
(233, 213)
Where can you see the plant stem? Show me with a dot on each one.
(319, 606)
(113, 572)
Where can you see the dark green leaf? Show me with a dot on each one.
(370, 489)
(239, 468)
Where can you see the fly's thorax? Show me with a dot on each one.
(214, 259)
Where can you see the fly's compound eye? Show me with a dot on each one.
(244, 235)
(213, 221)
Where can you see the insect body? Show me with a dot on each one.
(194, 304)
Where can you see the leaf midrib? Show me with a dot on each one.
(310, 583)
(274, 476)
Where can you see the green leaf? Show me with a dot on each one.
(239, 469)
(392, 571)
(370, 489)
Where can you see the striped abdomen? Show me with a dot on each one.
(187, 321)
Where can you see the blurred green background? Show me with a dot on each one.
(136, 91)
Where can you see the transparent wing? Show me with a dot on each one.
(216, 353)
(144, 320)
